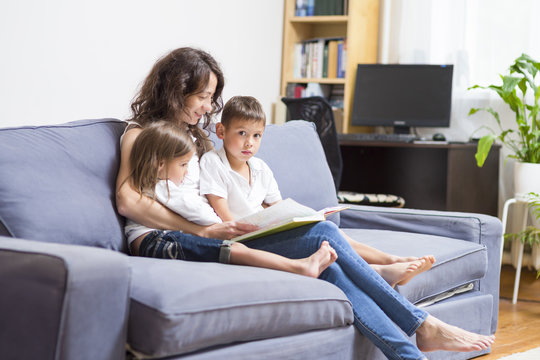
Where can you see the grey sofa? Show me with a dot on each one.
(69, 291)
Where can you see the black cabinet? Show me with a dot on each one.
(428, 176)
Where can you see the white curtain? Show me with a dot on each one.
(480, 37)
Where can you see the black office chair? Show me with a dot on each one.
(317, 110)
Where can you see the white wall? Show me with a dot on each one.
(65, 60)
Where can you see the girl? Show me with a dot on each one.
(185, 88)
(159, 162)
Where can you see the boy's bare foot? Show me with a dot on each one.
(315, 264)
(401, 273)
(429, 261)
(434, 335)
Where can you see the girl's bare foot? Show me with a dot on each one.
(401, 273)
(315, 264)
(434, 335)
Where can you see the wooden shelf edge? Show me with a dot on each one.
(335, 81)
(330, 19)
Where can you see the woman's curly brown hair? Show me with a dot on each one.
(176, 76)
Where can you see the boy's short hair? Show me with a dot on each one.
(242, 108)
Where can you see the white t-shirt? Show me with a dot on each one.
(217, 178)
(187, 202)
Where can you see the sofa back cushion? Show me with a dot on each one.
(294, 153)
(57, 183)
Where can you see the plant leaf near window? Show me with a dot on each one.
(517, 88)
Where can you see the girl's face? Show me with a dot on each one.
(199, 104)
(175, 169)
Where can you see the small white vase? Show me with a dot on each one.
(526, 179)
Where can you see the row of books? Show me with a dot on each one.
(333, 93)
(321, 7)
(320, 58)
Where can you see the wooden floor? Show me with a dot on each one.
(519, 325)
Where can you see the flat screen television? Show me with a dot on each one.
(402, 96)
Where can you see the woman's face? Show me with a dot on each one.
(199, 104)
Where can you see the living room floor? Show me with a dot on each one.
(519, 323)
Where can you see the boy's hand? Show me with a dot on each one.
(228, 230)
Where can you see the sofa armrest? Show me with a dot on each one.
(482, 229)
(62, 301)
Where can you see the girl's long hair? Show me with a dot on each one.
(158, 142)
(176, 76)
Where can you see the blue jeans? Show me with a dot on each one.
(164, 244)
(376, 305)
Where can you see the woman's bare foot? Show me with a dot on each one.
(401, 273)
(315, 264)
(434, 335)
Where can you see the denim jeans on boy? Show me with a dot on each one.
(376, 305)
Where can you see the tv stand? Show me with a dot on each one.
(427, 175)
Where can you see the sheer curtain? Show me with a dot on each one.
(480, 37)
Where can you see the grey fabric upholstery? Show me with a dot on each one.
(241, 304)
(70, 169)
(477, 228)
(458, 262)
(60, 300)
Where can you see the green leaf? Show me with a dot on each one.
(509, 83)
(482, 151)
(523, 86)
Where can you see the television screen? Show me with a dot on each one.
(402, 95)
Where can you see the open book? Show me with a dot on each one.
(285, 215)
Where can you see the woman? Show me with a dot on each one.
(185, 87)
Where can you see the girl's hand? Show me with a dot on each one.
(227, 230)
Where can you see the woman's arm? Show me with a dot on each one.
(151, 213)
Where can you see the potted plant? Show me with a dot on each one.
(521, 92)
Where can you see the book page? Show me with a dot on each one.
(284, 210)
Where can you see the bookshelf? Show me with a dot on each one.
(360, 29)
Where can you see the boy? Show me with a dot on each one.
(238, 184)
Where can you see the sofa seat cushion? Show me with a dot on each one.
(457, 263)
(179, 307)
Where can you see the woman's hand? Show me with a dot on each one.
(227, 230)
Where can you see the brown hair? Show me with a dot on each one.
(158, 141)
(242, 108)
(176, 76)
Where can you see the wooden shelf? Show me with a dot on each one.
(335, 81)
(319, 19)
(359, 28)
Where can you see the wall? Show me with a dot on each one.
(64, 60)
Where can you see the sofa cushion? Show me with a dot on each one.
(179, 307)
(57, 183)
(457, 263)
(294, 153)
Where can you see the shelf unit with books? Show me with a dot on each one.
(359, 30)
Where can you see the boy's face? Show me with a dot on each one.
(175, 169)
(242, 138)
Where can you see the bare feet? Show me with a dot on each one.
(434, 335)
(400, 273)
(315, 264)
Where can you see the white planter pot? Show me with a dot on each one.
(526, 179)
